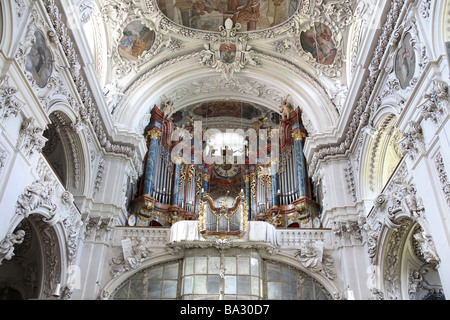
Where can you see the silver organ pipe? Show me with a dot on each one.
(163, 174)
(181, 191)
(283, 190)
(260, 200)
(190, 194)
(292, 177)
(294, 173)
(156, 176)
(168, 182)
(283, 180)
(285, 174)
(280, 181)
(288, 177)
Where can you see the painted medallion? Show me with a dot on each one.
(136, 40)
(318, 41)
(40, 61)
(405, 62)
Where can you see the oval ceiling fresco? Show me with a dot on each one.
(318, 41)
(136, 40)
(209, 15)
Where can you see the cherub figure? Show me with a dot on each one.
(285, 109)
(168, 109)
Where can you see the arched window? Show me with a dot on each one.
(207, 274)
(382, 156)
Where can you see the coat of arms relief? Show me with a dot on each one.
(228, 53)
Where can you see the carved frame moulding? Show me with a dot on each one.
(332, 70)
(123, 66)
(39, 57)
(408, 56)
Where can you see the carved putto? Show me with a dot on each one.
(285, 109)
(7, 244)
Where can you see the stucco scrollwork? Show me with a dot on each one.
(31, 139)
(38, 195)
(412, 143)
(436, 102)
(428, 248)
(9, 104)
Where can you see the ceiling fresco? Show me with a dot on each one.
(209, 15)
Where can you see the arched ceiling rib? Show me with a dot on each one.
(187, 83)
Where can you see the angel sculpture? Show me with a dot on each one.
(285, 109)
(168, 109)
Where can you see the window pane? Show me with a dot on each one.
(254, 266)
(154, 288)
(156, 273)
(273, 272)
(243, 285)
(243, 265)
(213, 284)
(200, 265)
(171, 271)
(189, 265)
(289, 291)
(255, 286)
(188, 284)
(230, 265)
(289, 275)
(274, 290)
(122, 293)
(230, 284)
(170, 289)
(200, 284)
(213, 265)
(136, 289)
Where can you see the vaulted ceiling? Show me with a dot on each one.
(267, 51)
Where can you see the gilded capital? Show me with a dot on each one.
(298, 135)
(155, 133)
